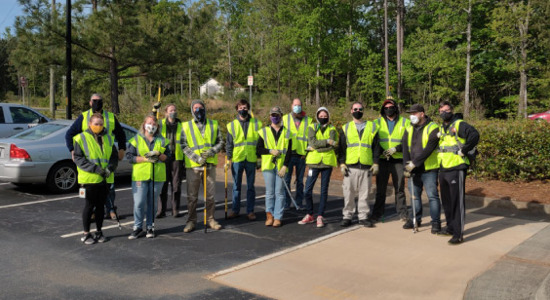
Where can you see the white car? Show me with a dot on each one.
(40, 155)
(15, 118)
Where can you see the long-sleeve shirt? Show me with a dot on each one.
(467, 132)
(217, 147)
(84, 164)
(417, 154)
(343, 146)
(76, 128)
(262, 150)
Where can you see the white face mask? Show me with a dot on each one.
(150, 128)
(414, 119)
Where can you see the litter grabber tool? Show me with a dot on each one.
(225, 169)
(411, 182)
(204, 185)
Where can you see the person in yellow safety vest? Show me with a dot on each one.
(274, 145)
(147, 153)
(322, 145)
(420, 143)
(112, 126)
(457, 139)
(170, 128)
(356, 159)
(95, 156)
(298, 123)
(201, 142)
(240, 148)
(389, 149)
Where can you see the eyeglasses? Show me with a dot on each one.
(358, 109)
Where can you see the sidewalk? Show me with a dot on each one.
(505, 256)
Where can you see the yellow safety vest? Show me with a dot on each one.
(299, 144)
(431, 162)
(108, 120)
(143, 171)
(177, 146)
(270, 144)
(328, 158)
(388, 140)
(198, 143)
(448, 147)
(359, 149)
(244, 148)
(94, 153)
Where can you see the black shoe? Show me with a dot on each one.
(150, 234)
(99, 237)
(436, 228)
(373, 219)
(404, 217)
(367, 223)
(409, 224)
(160, 215)
(135, 234)
(445, 232)
(88, 239)
(345, 223)
(456, 240)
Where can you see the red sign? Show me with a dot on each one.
(23, 81)
(250, 80)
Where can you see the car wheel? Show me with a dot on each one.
(62, 178)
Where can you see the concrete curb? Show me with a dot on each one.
(507, 204)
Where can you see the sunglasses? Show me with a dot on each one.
(358, 109)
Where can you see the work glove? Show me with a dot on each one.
(409, 166)
(198, 159)
(152, 154)
(107, 173)
(282, 171)
(275, 153)
(228, 164)
(152, 159)
(344, 169)
(258, 163)
(156, 106)
(101, 172)
(208, 153)
(374, 169)
(407, 174)
(460, 153)
(389, 152)
(331, 142)
(309, 148)
(439, 134)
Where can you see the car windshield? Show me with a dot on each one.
(39, 131)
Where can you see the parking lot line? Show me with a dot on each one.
(51, 200)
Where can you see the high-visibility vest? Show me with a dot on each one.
(244, 148)
(299, 144)
(270, 144)
(177, 147)
(388, 140)
(94, 153)
(431, 162)
(143, 171)
(108, 120)
(328, 158)
(359, 149)
(199, 143)
(449, 146)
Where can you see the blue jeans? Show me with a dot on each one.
(144, 200)
(310, 183)
(428, 180)
(237, 169)
(300, 164)
(274, 194)
(110, 199)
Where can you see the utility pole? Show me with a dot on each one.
(68, 60)
(52, 71)
(250, 88)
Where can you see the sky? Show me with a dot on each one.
(9, 9)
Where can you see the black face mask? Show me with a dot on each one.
(200, 114)
(357, 114)
(97, 106)
(243, 113)
(390, 111)
(446, 116)
(323, 121)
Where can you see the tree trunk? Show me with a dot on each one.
(190, 94)
(386, 54)
(113, 73)
(52, 72)
(229, 59)
(94, 5)
(400, 37)
(523, 30)
(468, 53)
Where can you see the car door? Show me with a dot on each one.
(19, 118)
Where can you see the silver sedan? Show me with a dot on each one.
(39, 155)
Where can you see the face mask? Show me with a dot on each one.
(414, 119)
(357, 114)
(275, 119)
(297, 109)
(390, 111)
(243, 113)
(200, 113)
(323, 121)
(172, 115)
(97, 106)
(446, 116)
(97, 129)
(150, 128)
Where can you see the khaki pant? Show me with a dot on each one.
(194, 182)
(356, 184)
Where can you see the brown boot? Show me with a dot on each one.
(277, 223)
(251, 216)
(269, 219)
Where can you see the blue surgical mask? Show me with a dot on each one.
(297, 109)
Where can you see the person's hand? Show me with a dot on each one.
(460, 153)
(107, 173)
(390, 152)
(101, 172)
(374, 169)
(344, 169)
(227, 164)
(201, 161)
(409, 166)
(258, 163)
(439, 134)
(275, 153)
(152, 159)
(208, 153)
(72, 154)
(309, 148)
(331, 142)
(407, 174)
(121, 154)
(282, 171)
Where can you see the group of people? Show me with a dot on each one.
(165, 152)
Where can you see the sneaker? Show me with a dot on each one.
(113, 215)
(410, 225)
(308, 219)
(214, 225)
(346, 222)
(456, 240)
(320, 222)
(135, 234)
(87, 239)
(150, 234)
(190, 226)
(367, 223)
(99, 237)
(436, 228)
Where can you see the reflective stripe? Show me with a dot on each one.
(246, 144)
(359, 144)
(192, 130)
(390, 140)
(87, 150)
